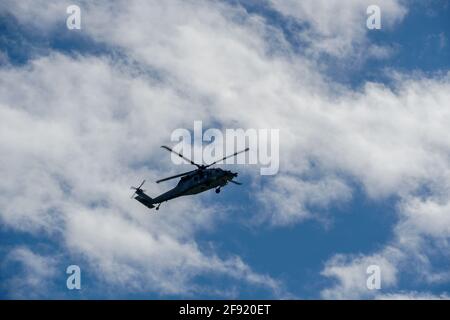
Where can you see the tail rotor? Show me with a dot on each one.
(137, 189)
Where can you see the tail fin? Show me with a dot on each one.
(145, 200)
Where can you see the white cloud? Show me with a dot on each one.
(338, 27)
(39, 14)
(351, 275)
(290, 199)
(429, 217)
(32, 278)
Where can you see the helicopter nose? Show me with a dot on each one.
(231, 174)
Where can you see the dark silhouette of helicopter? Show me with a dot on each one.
(192, 182)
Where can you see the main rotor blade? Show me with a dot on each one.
(181, 156)
(176, 176)
(229, 156)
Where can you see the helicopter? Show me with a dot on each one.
(192, 182)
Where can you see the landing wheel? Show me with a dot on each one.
(157, 208)
(218, 190)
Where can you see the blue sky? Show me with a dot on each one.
(367, 220)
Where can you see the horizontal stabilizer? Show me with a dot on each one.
(145, 202)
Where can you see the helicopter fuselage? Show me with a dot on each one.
(196, 182)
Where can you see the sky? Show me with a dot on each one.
(364, 149)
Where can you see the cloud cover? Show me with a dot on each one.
(72, 137)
